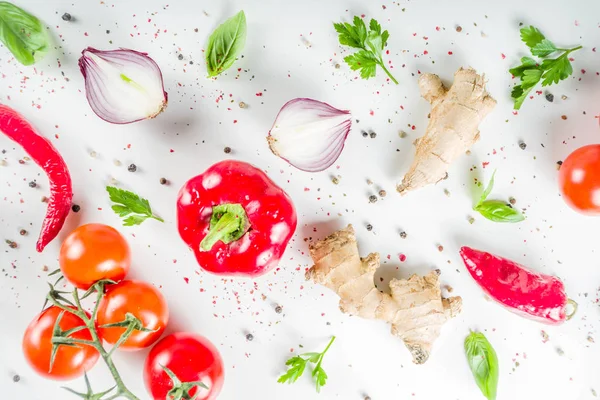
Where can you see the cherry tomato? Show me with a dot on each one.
(579, 179)
(70, 361)
(191, 358)
(142, 300)
(93, 252)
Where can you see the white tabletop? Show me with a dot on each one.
(291, 51)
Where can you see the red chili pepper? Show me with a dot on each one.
(527, 293)
(235, 219)
(46, 156)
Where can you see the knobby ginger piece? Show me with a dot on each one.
(415, 307)
(453, 125)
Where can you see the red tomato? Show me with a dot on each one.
(70, 361)
(93, 252)
(142, 300)
(191, 358)
(579, 179)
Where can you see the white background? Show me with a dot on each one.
(291, 52)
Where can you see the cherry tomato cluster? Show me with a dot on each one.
(130, 314)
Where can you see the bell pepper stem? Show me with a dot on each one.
(228, 223)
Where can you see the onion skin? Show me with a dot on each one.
(98, 84)
(309, 134)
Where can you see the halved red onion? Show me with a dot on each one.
(309, 134)
(122, 86)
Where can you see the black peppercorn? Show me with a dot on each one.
(278, 309)
(66, 17)
(163, 181)
(369, 227)
(249, 337)
(227, 150)
(522, 145)
(132, 168)
(75, 208)
(180, 57)
(32, 184)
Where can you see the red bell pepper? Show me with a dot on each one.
(527, 293)
(235, 219)
(46, 156)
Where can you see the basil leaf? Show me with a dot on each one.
(22, 34)
(487, 190)
(499, 211)
(483, 362)
(225, 44)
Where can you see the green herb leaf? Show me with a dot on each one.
(297, 365)
(531, 36)
(22, 34)
(320, 378)
(499, 211)
(296, 368)
(531, 72)
(225, 44)
(487, 190)
(364, 61)
(496, 210)
(130, 205)
(556, 70)
(526, 63)
(371, 43)
(543, 48)
(352, 35)
(483, 362)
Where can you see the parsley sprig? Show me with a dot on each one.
(496, 210)
(130, 205)
(550, 71)
(297, 365)
(371, 43)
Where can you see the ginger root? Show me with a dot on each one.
(453, 125)
(415, 307)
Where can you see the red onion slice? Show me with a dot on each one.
(122, 86)
(309, 134)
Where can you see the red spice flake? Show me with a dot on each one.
(171, 151)
(85, 34)
(450, 53)
(413, 127)
(259, 94)
(571, 59)
(583, 71)
(235, 121)
(389, 257)
(437, 28)
(307, 189)
(387, 52)
(425, 52)
(186, 279)
(371, 112)
(485, 164)
(503, 55)
(402, 257)
(362, 15)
